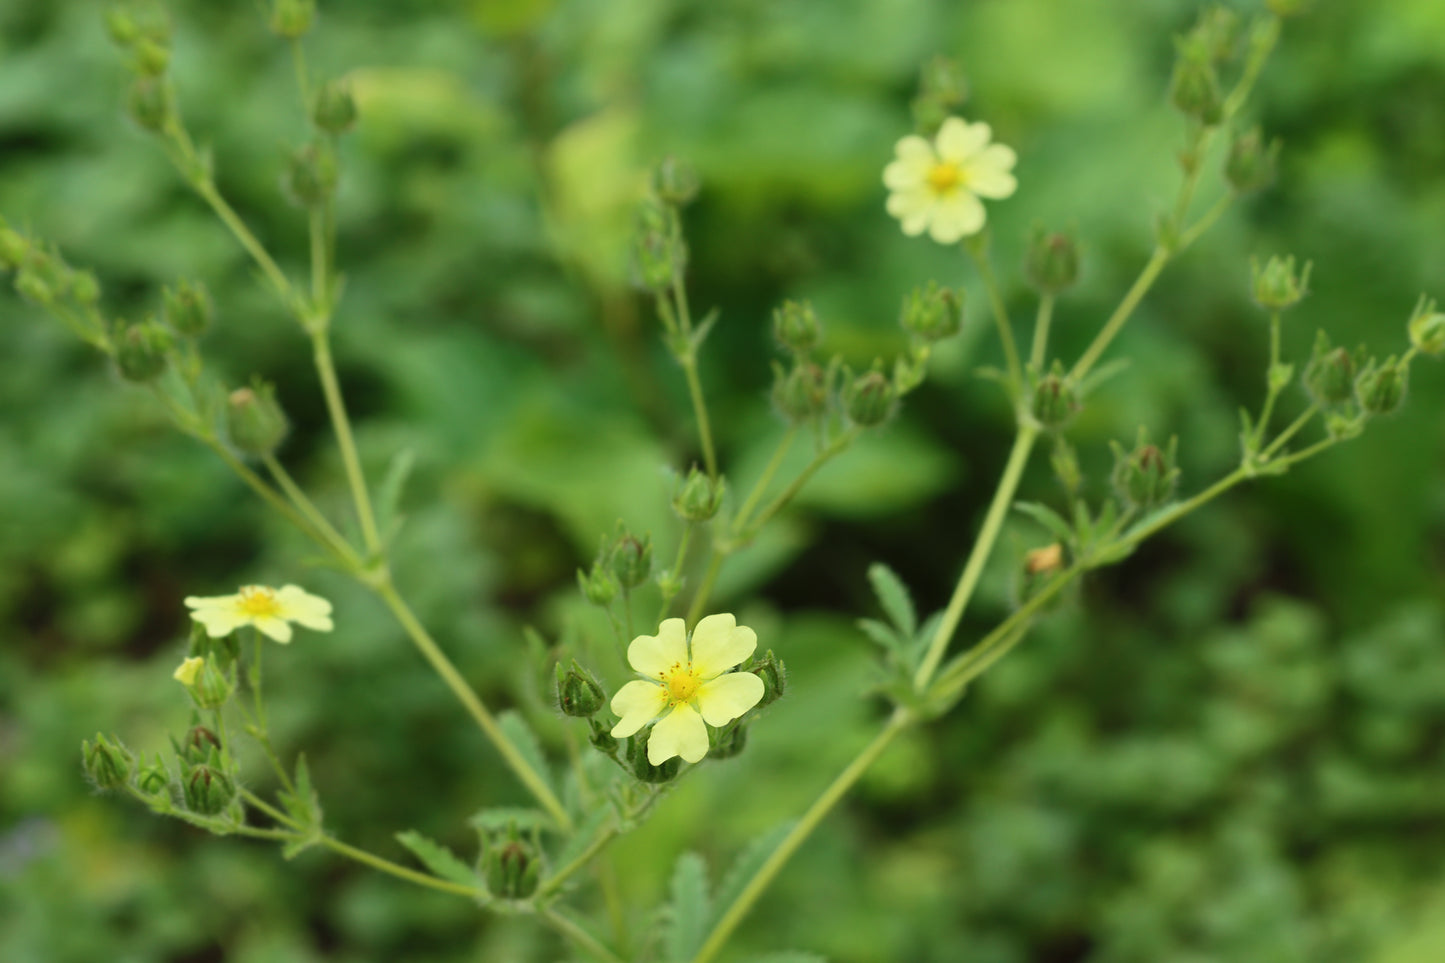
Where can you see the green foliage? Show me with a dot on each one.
(437, 858)
(689, 910)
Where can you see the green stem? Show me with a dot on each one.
(765, 479)
(303, 80)
(429, 649)
(257, 802)
(699, 408)
(1271, 392)
(834, 448)
(973, 569)
(821, 806)
(287, 484)
(554, 882)
(676, 573)
(1205, 222)
(1041, 332)
(400, 871)
(1000, 316)
(574, 932)
(326, 369)
(704, 589)
(1293, 429)
(207, 189)
(1122, 313)
(318, 260)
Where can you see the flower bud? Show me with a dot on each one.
(699, 497)
(107, 764)
(154, 780)
(774, 674)
(1214, 35)
(660, 256)
(150, 103)
(121, 26)
(598, 585)
(674, 181)
(1381, 386)
(292, 18)
(645, 771)
(512, 869)
(151, 58)
(84, 288)
(211, 687)
(632, 559)
(207, 791)
(868, 399)
(602, 738)
(1052, 262)
(311, 175)
(334, 109)
(1194, 89)
(33, 288)
(796, 327)
(1054, 401)
(1146, 477)
(13, 247)
(187, 308)
(727, 742)
(1330, 376)
(932, 313)
(1278, 286)
(1427, 329)
(254, 419)
(142, 351)
(1250, 165)
(578, 692)
(801, 394)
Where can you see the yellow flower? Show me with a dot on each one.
(936, 186)
(687, 688)
(188, 671)
(268, 609)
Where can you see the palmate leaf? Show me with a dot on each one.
(689, 913)
(437, 858)
(893, 596)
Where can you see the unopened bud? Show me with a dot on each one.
(932, 313)
(1194, 90)
(254, 419)
(796, 327)
(1277, 285)
(199, 744)
(1215, 35)
(33, 288)
(801, 394)
(1055, 402)
(699, 497)
(1251, 163)
(597, 585)
(154, 779)
(292, 18)
(121, 26)
(942, 88)
(142, 351)
(107, 763)
(774, 674)
(187, 308)
(1381, 386)
(207, 791)
(13, 247)
(84, 287)
(1427, 329)
(602, 738)
(644, 771)
(660, 256)
(1052, 262)
(512, 869)
(334, 110)
(1330, 376)
(674, 181)
(632, 559)
(868, 399)
(726, 743)
(150, 103)
(151, 58)
(1145, 478)
(212, 687)
(311, 175)
(578, 692)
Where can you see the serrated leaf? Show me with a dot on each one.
(749, 861)
(303, 805)
(437, 858)
(516, 729)
(498, 819)
(893, 596)
(883, 635)
(689, 913)
(1048, 518)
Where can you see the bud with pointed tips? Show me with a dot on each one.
(292, 18)
(512, 867)
(207, 790)
(1054, 402)
(254, 419)
(932, 313)
(578, 691)
(727, 742)
(1427, 329)
(142, 351)
(869, 399)
(699, 497)
(675, 181)
(311, 175)
(1146, 477)
(800, 395)
(199, 743)
(1052, 262)
(774, 674)
(597, 585)
(334, 109)
(1194, 89)
(154, 779)
(796, 327)
(1278, 286)
(1381, 386)
(1251, 163)
(645, 771)
(631, 559)
(150, 103)
(187, 308)
(1330, 376)
(107, 763)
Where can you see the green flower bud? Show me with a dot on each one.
(207, 791)
(1194, 90)
(631, 559)
(598, 585)
(1055, 402)
(674, 181)
(142, 351)
(1214, 36)
(1278, 286)
(602, 738)
(1381, 386)
(84, 288)
(1052, 261)
(774, 674)
(107, 764)
(13, 247)
(311, 175)
(699, 497)
(659, 254)
(292, 18)
(932, 313)
(150, 103)
(1251, 164)
(154, 780)
(1145, 478)
(645, 771)
(151, 58)
(198, 745)
(33, 288)
(1330, 376)
(796, 327)
(187, 308)
(578, 692)
(334, 109)
(254, 419)
(212, 687)
(801, 394)
(512, 869)
(869, 399)
(727, 742)
(121, 27)
(1427, 329)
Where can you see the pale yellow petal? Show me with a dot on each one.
(638, 703)
(719, 643)
(188, 670)
(273, 628)
(653, 655)
(957, 140)
(989, 173)
(902, 175)
(211, 601)
(218, 621)
(679, 733)
(916, 224)
(914, 150)
(299, 605)
(728, 696)
(906, 204)
(956, 218)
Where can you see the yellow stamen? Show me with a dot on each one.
(680, 681)
(258, 601)
(946, 176)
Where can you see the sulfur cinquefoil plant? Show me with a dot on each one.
(699, 681)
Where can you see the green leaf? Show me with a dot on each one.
(893, 596)
(388, 498)
(499, 818)
(1048, 518)
(689, 914)
(749, 861)
(303, 805)
(437, 858)
(1101, 374)
(516, 729)
(883, 635)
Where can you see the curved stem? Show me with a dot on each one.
(400, 871)
(704, 589)
(1289, 432)
(1121, 314)
(1041, 332)
(765, 479)
(699, 408)
(554, 882)
(298, 497)
(326, 369)
(835, 448)
(1000, 316)
(574, 932)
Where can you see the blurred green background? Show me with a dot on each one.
(1232, 747)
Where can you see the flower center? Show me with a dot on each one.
(681, 681)
(945, 176)
(258, 601)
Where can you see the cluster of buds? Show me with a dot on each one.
(146, 41)
(659, 251)
(1195, 89)
(43, 278)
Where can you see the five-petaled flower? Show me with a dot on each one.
(936, 186)
(687, 687)
(268, 609)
